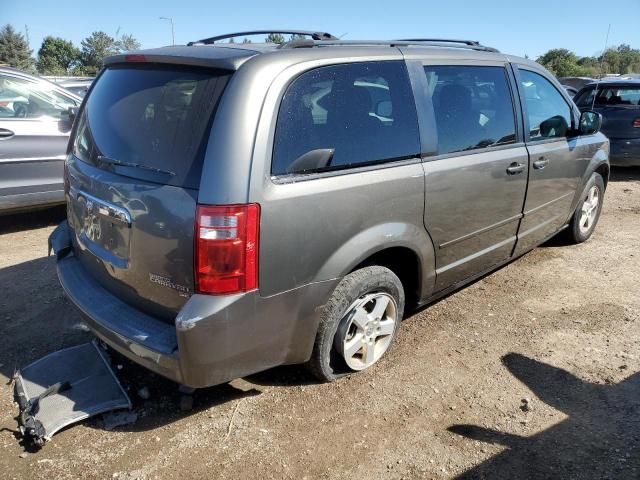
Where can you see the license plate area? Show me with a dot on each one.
(104, 229)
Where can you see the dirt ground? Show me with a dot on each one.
(531, 372)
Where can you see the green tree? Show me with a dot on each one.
(560, 61)
(14, 49)
(610, 61)
(57, 56)
(127, 43)
(95, 48)
(621, 59)
(246, 40)
(590, 65)
(274, 38)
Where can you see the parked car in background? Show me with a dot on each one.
(35, 121)
(619, 103)
(570, 90)
(77, 87)
(233, 207)
(576, 82)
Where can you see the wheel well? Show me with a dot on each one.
(603, 170)
(405, 264)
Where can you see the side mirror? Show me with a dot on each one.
(384, 108)
(313, 160)
(72, 112)
(554, 127)
(590, 122)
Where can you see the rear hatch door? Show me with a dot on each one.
(133, 177)
(618, 121)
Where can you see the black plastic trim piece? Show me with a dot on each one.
(308, 33)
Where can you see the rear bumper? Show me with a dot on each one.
(625, 152)
(214, 338)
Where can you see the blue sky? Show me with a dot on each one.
(515, 27)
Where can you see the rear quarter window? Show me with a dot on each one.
(156, 118)
(363, 112)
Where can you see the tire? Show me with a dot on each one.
(341, 320)
(578, 231)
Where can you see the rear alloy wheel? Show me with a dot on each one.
(358, 323)
(587, 213)
(366, 332)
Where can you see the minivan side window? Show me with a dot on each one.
(344, 116)
(20, 98)
(472, 106)
(548, 112)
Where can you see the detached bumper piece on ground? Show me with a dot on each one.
(66, 387)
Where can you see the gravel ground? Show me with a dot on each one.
(531, 372)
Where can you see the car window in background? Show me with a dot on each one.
(20, 98)
(548, 113)
(472, 107)
(610, 95)
(363, 112)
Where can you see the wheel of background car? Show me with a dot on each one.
(358, 324)
(587, 213)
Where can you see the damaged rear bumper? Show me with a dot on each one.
(66, 387)
(214, 339)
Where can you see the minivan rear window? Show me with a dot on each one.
(150, 122)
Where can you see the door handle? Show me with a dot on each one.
(4, 133)
(515, 168)
(540, 163)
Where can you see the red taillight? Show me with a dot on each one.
(226, 248)
(135, 58)
(636, 123)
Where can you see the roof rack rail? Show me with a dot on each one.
(427, 42)
(443, 40)
(306, 33)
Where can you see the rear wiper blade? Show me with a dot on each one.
(121, 163)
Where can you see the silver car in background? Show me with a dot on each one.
(35, 121)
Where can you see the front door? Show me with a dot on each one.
(475, 185)
(34, 130)
(555, 157)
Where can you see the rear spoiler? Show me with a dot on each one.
(204, 56)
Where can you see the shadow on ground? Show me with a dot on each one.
(624, 174)
(30, 220)
(600, 439)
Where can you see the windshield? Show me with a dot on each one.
(150, 122)
(610, 95)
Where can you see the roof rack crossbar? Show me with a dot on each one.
(305, 33)
(468, 44)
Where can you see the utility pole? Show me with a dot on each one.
(173, 35)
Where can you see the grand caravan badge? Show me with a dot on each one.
(167, 282)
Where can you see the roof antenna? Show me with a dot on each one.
(606, 43)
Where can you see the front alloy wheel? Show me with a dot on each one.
(589, 210)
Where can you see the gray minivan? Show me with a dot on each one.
(233, 207)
